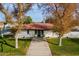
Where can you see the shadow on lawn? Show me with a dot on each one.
(4, 42)
(75, 40)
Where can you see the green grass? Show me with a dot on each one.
(70, 47)
(12, 51)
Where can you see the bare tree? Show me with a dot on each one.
(19, 12)
(8, 16)
(22, 8)
(49, 19)
(64, 18)
(8, 19)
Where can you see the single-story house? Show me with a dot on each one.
(37, 30)
(40, 30)
(44, 30)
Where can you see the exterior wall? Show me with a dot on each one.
(73, 34)
(24, 34)
(32, 33)
(49, 33)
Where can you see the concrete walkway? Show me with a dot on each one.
(39, 48)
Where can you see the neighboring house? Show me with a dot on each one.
(74, 33)
(37, 30)
(6, 29)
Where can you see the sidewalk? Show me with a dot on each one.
(39, 48)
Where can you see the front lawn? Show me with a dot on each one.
(70, 47)
(10, 50)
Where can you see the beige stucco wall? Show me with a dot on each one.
(50, 33)
(47, 33)
(23, 34)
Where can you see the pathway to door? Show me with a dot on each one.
(38, 47)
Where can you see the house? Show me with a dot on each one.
(40, 30)
(74, 33)
(44, 30)
(37, 30)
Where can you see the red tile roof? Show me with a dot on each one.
(38, 26)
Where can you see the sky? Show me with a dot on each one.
(35, 13)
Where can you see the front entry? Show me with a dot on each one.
(39, 33)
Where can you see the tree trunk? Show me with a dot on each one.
(2, 35)
(20, 18)
(2, 31)
(16, 45)
(60, 41)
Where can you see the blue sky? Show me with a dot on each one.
(35, 13)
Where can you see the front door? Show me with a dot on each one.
(39, 33)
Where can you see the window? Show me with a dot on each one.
(27, 31)
(35, 31)
(42, 32)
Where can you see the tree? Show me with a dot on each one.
(19, 10)
(8, 16)
(49, 19)
(64, 20)
(27, 20)
(8, 19)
